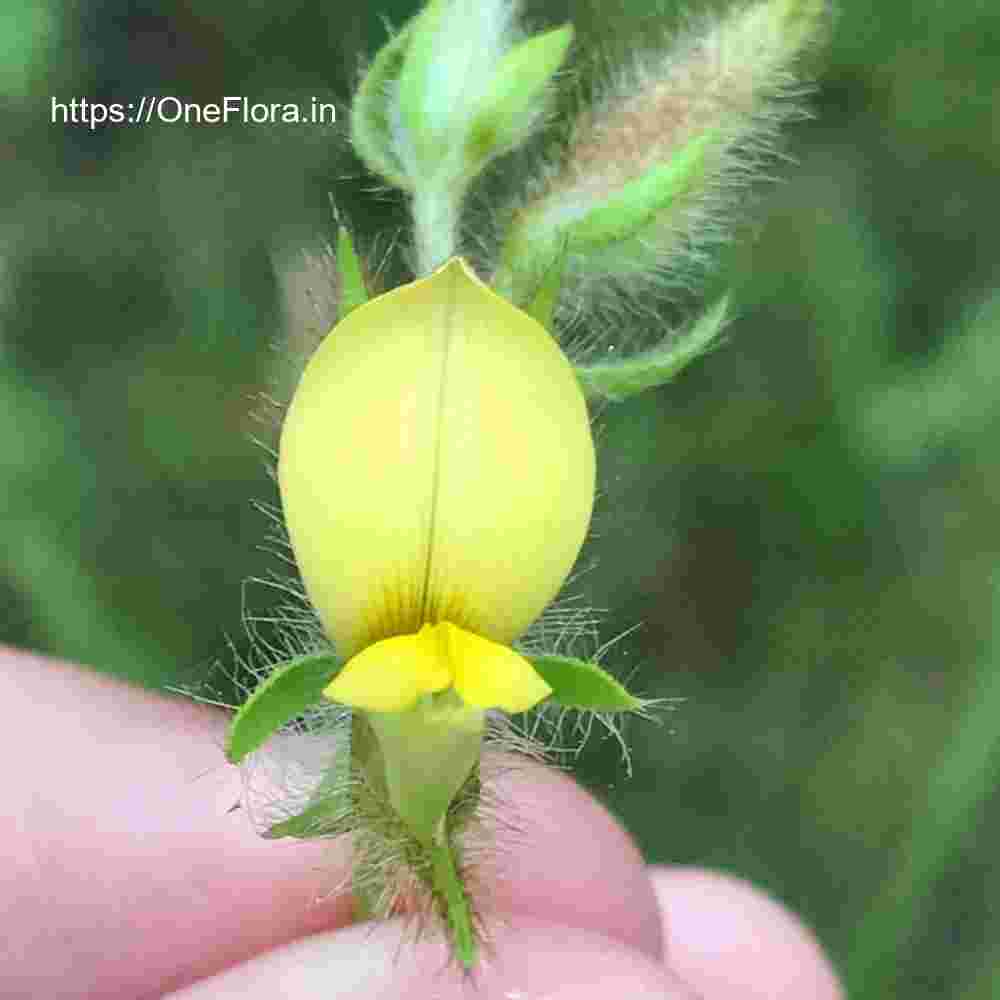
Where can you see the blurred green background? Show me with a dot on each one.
(805, 523)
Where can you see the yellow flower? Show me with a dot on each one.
(437, 476)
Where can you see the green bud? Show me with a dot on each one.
(652, 166)
(444, 97)
(466, 95)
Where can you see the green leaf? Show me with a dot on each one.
(617, 380)
(582, 684)
(371, 125)
(292, 688)
(511, 102)
(352, 290)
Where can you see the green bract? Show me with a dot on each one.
(509, 107)
(558, 220)
(619, 379)
(352, 291)
(584, 685)
(288, 691)
(371, 110)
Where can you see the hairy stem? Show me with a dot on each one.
(435, 225)
(451, 892)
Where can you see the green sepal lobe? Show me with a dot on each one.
(352, 291)
(288, 691)
(584, 685)
(371, 127)
(622, 378)
(516, 88)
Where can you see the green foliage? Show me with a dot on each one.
(952, 802)
(26, 44)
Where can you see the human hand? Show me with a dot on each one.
(127, 876)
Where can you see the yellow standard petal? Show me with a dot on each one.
(390, 675)
(436, 463)
(491, 675)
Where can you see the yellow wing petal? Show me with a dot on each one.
(491, 675)
(389, 676)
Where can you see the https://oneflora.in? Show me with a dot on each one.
(436, 462)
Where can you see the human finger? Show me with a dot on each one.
(529, 960)
(730, 941)
(131, 873)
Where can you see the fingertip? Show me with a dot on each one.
(142, 847)
(528, 959)
(731, 941)
(562, 858)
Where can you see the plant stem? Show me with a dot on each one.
(435, 224)
(448, 885)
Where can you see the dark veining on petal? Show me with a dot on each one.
(449, 313)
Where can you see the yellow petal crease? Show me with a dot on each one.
(490, 675)
(390, 675)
